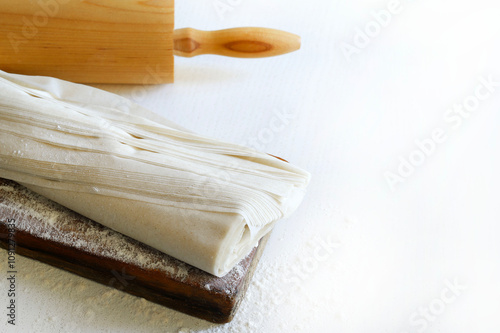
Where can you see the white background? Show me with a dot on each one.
(357, 256)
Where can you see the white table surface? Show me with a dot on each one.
(359, 255)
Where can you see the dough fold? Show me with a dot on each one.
(200, 200)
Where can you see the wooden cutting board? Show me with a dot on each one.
(55, 235)
(116, 41)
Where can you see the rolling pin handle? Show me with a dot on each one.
(238, 42)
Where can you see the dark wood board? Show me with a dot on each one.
(55, 235)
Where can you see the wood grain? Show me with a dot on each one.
(52, 234)
(89, 41)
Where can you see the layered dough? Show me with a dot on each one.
(200, 200)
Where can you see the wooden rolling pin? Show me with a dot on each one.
(116, 41)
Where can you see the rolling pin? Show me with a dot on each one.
(116, 41)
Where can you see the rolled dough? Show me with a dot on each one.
(200, 200)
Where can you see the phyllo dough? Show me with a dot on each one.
(200, 200)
